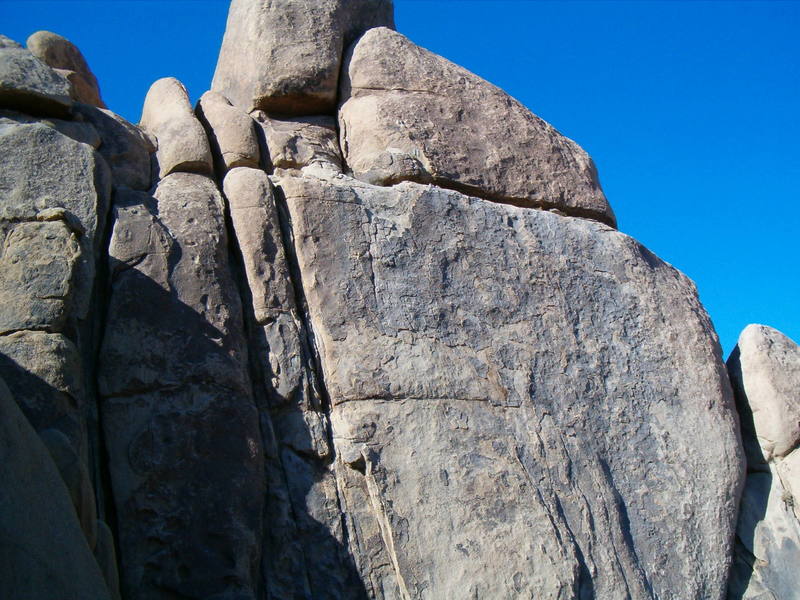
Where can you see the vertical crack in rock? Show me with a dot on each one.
(452, 330)
(180, 422)
(765, 372)
(287, 369)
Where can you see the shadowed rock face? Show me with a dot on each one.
(43, 553)
(368, 336)
(182, 430)
(765, 370)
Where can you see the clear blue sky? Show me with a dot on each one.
(690, 110)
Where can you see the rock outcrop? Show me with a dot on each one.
(284, 56)
(409, 115)
(231, 132)
(357, 326)
(63, 56)
(765, 370)
(43, 553)
(181, 427)
(29, 85)
(472, 350)
(182, 143)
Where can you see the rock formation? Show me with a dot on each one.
(358, 325)
(765, 370)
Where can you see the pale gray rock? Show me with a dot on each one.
(59, 53)
(298, 142)
(507, 382)
(54, 191)
(182, 143)
(43, 552)
(77, 479)
(231, 132)
(77, 130)
(255, 222)
(284, 56)
(44, 372)
(7, 42)
(180, 423)
(410, 115)
(124, 146)
(30, 86)
(38, 263)
(768, 543)
(789, 475)
(765, 371)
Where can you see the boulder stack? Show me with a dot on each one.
(358, 325)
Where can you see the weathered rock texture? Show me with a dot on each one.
(280, 359)
(29, 85)
(182, 143)
(474, 351)
(179, 420)
(284, 56)
(765, 370)
(61, 54)
(231, 132)
(410, 115)
(296, 143)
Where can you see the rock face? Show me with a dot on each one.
(180, 423)
(466, 349)
(182, 143)
(369, 338)
(301, 142)
(125, 147)
(765, 370)
(29, 85)
(61, 54)
(409, 115)
(284, 56)
(43, 553)
(231, 132)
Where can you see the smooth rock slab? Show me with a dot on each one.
(77, 479)
(284, 56)
(181, 427)
(182, 143)
(43, 552)
(407, 114)
(511, 383)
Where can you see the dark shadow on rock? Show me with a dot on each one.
(182, 403)
(302, 558)
(45, 406)
(753, 506)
